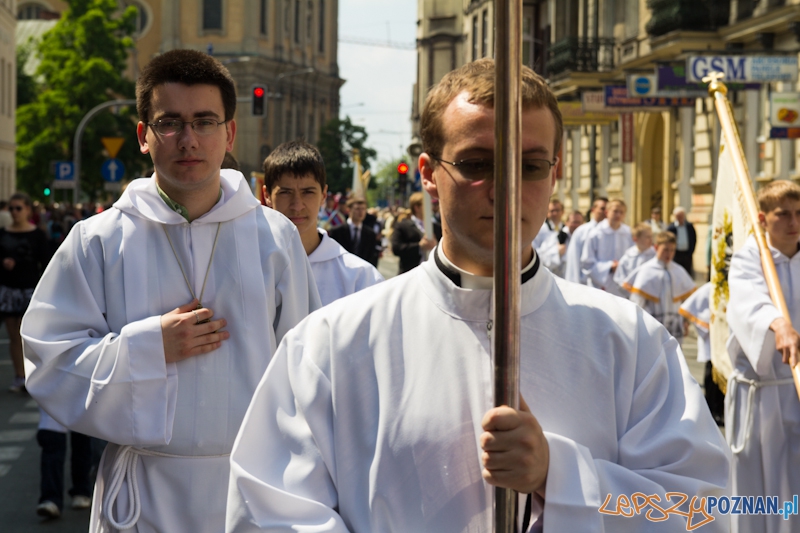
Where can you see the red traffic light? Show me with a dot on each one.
(258, 91)
(402, 168)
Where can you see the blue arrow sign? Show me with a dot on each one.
(112, 170)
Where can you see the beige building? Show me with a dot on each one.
(580, 46)
(290, 46)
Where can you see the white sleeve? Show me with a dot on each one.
(598, 271)
(297, 424)
(668, 443)
(113, 385)
(750, 309)
(549, 254)
(623, 269)
(574, 272)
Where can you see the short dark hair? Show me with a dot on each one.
(21, 196)
(189, 67)
(297, 158)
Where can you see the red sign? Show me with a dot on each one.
(626, 127)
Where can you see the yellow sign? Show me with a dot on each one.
(112, 145)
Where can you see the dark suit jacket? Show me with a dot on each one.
(405, 244)
(367, 246)
(673, 228)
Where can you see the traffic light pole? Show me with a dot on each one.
(76, 142)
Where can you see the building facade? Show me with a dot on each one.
(289, 46)
(8, 93)
(655, 156)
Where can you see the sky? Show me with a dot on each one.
(378, 90)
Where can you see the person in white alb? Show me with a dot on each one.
(641, 252)
(552, 224)
(294, 185)
(762, 411)
(660, 285)
(554, 250)
(604, 248)
(155, 319)
(573, 271)
(656, 222)
(376, 413)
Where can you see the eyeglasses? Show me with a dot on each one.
(15, 208)
(170, 126)
(482, 169)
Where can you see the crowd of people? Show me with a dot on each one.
(251, 370)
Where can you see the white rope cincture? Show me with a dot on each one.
(124, 473)
(753, 385)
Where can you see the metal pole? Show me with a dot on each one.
(507, 208)
(76, 142)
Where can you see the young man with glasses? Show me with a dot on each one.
(156, 318)
(376, 412)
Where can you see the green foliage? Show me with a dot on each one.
(82, 63)
(337, 140)
(26, 85)
(384, 181)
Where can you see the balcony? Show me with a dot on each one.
(686, 15)
(577, 54)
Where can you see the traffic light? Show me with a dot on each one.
(47, 191)
(259, 95)
(402, 175)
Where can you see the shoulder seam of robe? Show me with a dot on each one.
(630, 288)
(689, 316)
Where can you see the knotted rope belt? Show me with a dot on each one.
(753, 385)
(124, 472)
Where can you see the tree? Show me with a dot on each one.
(82, 60)
(26, 85)
(337, 140)
(384, 181)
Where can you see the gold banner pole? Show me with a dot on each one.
(507, 209)
(719, 92)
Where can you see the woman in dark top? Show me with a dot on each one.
(23, 256)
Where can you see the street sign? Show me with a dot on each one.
(617, 96)
(642, 85)
(784, 110)
(671, 81)
(64, 170)
(112, 145)
(112, 170)
(743, 68)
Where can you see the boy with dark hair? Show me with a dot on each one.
(762, 414)
(294, 185)
(660, 285)
(155, 318)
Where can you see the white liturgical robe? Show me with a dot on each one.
(550, 254)
(604, 246)
(369, 416)
(338, 272)
(632, 259)
(577, 241)
(95, 355)
(767, 449)
(696, 310)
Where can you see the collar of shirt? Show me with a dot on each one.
(175, 206)
(419, 223)
(353, 224)
(467, 280)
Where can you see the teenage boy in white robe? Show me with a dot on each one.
(660, 285)
(641, 252)
(574, 272)
(376, 414)
(552, 224)
(294, 185)
(764, 429)
(155, 319)
(604, 248)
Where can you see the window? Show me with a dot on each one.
(475, 38)
(321, 25)
(212, 14)
(297, 21)
(485, 33)
(262, 17)
(141, 16)
(31, 12)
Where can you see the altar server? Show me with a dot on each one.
(554, 250)
(604, 248)
(295, 185)
(762, 412)
(573, 271)
(156, 318)
(641, 252)
(660, 285)
(376, 414)
(552, 224)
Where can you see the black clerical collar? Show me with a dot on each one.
(455, 276)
